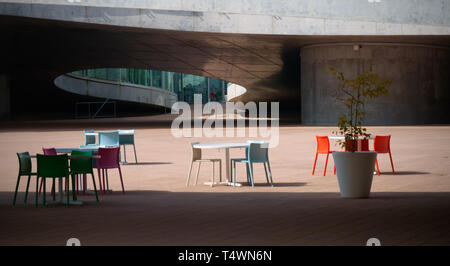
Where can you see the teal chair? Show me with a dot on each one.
(81, 164)
(89, 139)
(127, 139)
(24, 170)
(257, 152)
(108, 139)
(53, 166)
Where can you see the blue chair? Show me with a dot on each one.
(126, 137)
(108, 139)
(89, 139)
(257, 152)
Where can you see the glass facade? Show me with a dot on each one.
(184, 85)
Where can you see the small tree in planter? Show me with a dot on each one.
(353, 93)
(355, 169)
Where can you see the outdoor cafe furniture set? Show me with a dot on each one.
(381, 144)
(103, 156)
(255, 152)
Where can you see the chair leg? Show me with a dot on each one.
(43, 192)
(95, 187)
(270, 173)
(26, 191)
(53, 190)
(265, 170)
(378, 169)
(198, 172)
(213, 171)
(107, 180)
(248, 173)
(250, 167)
(392, 163)
(189, 174)
(220, 171)
(37, 191)
(75, 178)
(104, 181)
(100, 181)
(326, 163)
(17, 188)
(124, 154)
(84, 184)
(68, 191)
(135, 156)
(74, 188)
(315, 161)
(233, 172)
(40, 188)
(121, 180)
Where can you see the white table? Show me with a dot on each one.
(227, 146)
(343, 138)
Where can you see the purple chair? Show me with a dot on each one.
(109, 159)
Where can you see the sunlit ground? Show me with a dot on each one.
(409, 208)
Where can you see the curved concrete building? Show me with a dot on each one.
(276, 50)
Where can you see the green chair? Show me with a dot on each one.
(54, 166)
(82, 165)
(257, 152)
(24, 170)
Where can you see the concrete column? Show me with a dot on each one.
(419, 94)
(5, 98)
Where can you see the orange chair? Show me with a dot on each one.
(381, 144)
(323, 147)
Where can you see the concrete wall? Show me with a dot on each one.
(299, 17)
(5, 105)
(116, 90)
(420, 93)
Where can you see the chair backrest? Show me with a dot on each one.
(52, 165)
(196, 153)
(49, 151)
(258, 151)
(109, 157)
(382, 144)
(364, 144)
(81, 165)
(89, 139)
(108, 139)
(24, 163)
(126, 139)
(323, 144)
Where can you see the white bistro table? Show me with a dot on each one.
(360, 138)
(226, 146)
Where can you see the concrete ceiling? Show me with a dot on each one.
(267, 65)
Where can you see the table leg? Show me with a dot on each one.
(60, 199)
(227, 165)
(227, 172)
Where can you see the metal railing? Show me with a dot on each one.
(91, 112)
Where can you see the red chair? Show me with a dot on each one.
(364, 144)
(382, 144)
(109, 159)
(49, 151)
(323, 147)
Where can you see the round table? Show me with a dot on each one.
(227, 146)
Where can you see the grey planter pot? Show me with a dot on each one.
(355, 172)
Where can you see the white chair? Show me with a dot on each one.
(197, 158)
